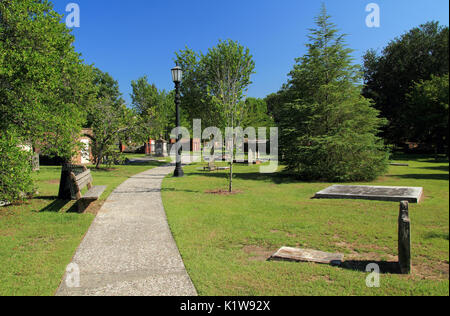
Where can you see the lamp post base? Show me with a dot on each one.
(179, 173)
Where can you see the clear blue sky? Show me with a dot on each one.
(133, 38)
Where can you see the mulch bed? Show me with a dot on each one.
(223, 192)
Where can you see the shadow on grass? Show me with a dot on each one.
(442, 176)
(385, 266)
(178, 190)
(42, 197)
(435, 235)
(278, 178)
(56, 206)
(420, 157)
(438, 168)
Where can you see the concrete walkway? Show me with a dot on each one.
(129, 249)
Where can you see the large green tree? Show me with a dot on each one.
(44, 85)
(428, 105)
(415, 56)
(45, 89)
(328, 130)
(155, 109)
(196, 102)
(257, 114)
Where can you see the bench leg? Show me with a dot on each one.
(82, 205)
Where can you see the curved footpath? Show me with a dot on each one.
(129, 249)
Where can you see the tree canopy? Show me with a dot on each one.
(44, 85)
(155, 108)
(428, 104)
(214, 83)
(415, 56)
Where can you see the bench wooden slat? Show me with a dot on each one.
(84, 182)
(82, 175)
(94, 193)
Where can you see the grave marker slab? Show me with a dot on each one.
(378, 193)
(308, 255)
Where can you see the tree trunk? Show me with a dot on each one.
(99, 159)
(230, 187)
(64, 185)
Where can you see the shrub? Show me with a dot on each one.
(15, 169)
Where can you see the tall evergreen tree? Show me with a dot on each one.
(328, 129)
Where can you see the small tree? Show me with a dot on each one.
(328, 129)
(110, 122)
(228, 68)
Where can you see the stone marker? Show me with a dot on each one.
(308, 255)
(404, 238)
(379, 193)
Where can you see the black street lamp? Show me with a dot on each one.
(177, 75)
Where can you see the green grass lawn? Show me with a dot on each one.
(39, 237)
(225, 240)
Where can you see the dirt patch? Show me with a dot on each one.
(258, 253)
(223, 192)
(55, 181)
(438, 270)
(288, 234)
(8, 232)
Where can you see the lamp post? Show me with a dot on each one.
(177, 75)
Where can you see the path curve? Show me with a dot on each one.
(129, 249)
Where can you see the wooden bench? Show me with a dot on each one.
(78, 183)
